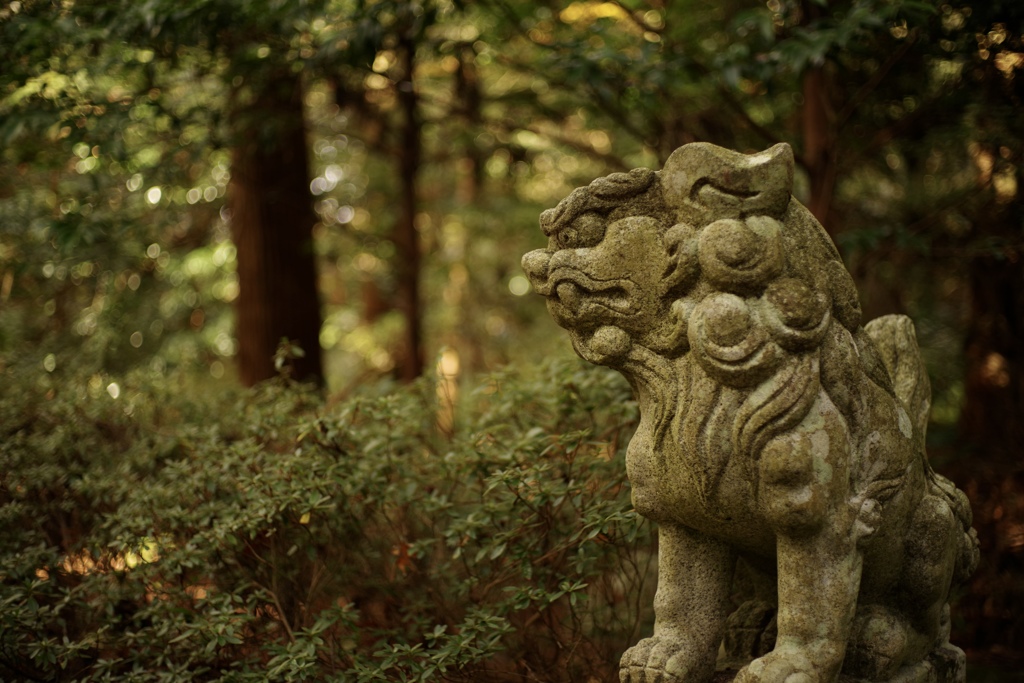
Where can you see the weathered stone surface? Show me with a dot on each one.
(781, 443)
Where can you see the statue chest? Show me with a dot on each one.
(706, 491)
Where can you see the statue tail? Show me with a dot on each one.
(896, 343)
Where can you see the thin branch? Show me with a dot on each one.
(609, 159)
(619, 117)
(607, 105)
(910, 122)
(255, 553)
(636, 20)
(280, 611)
(735, 105)
(875, 80)
(314, 581)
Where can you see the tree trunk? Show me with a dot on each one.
(991, 432)
(819, 146)
(470, 97)
(817, 119)
(993, 412)
(820, 137)
(272, 225)
(410, 361)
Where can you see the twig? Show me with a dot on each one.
(735, 105)
(636, 20)
(280, 610)
(875, 80)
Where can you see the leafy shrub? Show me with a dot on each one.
(270, 536)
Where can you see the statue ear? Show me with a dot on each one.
(683, 267)
(703, 182)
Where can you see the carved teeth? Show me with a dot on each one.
(569, 294)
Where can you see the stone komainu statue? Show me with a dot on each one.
(781, 444)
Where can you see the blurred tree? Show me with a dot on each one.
(246, 46)
(272, 218)
(272, 222)
(385, 39)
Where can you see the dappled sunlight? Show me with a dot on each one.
(84, 562)
(447, 389)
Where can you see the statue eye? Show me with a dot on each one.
(568, 238)
(586, 231)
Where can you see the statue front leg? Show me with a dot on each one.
(818, 586)
(694, 577)
(819, 565)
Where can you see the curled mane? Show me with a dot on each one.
(773, 320)
(606, 195)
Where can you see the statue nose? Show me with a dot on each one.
(535, 263)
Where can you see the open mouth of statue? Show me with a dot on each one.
(580, 296)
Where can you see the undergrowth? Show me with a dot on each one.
(150, 533)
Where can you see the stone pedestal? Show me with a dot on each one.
(948, 664)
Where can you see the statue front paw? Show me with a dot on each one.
(781, 665)
(662, 660)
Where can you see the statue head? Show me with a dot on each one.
(711, 255)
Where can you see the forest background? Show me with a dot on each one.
(186, 183)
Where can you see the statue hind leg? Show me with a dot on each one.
(907, 638)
